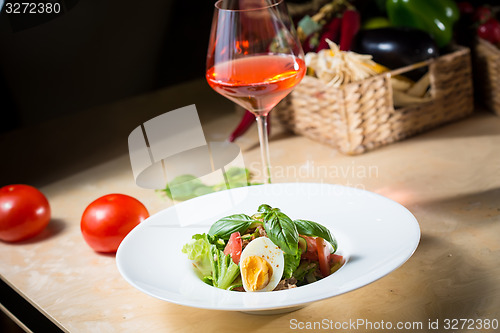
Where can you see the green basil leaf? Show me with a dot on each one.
(236, 174)
(259, 216)
(310, 228)
(291, 264)
(186, 187)
(224, 227)
(264, 208)
(282, 231)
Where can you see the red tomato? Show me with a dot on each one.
(490, 30)
(107, 220)
(24, 212)
(311, 252)
(233, 247)
(335, 259)
(323, 256)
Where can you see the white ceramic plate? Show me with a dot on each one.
(376, 235)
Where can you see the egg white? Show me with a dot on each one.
(263, 247)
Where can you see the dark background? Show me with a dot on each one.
(93, 53)
(99, 51)
(96, 52)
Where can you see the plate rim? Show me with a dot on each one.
(412, 221)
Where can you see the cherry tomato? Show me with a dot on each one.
(107, 220)
(233, 247)
(24, 212)
(323, 256)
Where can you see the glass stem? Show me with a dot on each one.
(264, 148)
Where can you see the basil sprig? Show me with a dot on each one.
(282, 231)
(313, 229)
(224, 227)
(265, 208)
(291, 264)
(188, 186)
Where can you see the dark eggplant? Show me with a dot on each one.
(396, 47)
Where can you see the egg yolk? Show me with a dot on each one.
(255, 272)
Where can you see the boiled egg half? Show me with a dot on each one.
(261, 265)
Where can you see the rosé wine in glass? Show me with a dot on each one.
(254, 59)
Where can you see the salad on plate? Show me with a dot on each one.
(267, 251)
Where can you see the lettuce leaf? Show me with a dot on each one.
(207, 255)
(225, 270)
(198, 251)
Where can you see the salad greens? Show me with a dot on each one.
(302, 263)
(214, 266)
(187, 186)
(198, 251)
(224, 227)
(310, 228)
(291, 264)
(282, 231)
(224, 270)
(305, 268)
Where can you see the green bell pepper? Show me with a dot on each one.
(436, 17)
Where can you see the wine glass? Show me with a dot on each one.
(254, 59)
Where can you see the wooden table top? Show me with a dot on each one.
(449, 178)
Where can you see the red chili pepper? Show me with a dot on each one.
(351, 21)
(332, 32)
(465, 8)
(246, 121)
(309, 43)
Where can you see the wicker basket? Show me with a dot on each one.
(307, 8)
(487, 68)
(360, 116)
